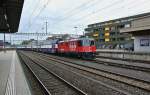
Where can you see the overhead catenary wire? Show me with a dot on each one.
(113, 4)
(79, 7)
(77, 10)
(34, 9)
(40, 11)
(80, 20)
(96, 11)
(88, 16)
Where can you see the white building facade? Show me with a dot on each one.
(140, 29)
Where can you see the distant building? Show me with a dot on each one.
(140, 29)
(63, 37)
(107, 34)
(7, 44)
(1, 44)
(54, 37)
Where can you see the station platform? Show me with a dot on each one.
(111, 50)
(12, 78)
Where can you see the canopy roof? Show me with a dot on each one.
(10, 13)
(139, 26)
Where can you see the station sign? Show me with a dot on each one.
(144, 42)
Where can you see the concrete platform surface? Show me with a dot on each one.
(121, 62)
(12, 78)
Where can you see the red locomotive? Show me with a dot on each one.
(81, 47)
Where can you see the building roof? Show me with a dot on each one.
(139, 26)
(135, 29)
(10, 13)
(119, 19)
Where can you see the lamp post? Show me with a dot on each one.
(4, 41)
(46, 26)
(37, 41)
(83, 33)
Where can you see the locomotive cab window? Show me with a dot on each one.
(80, 43)
(86, 42)
(92, 43)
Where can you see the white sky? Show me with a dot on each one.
(64, 15)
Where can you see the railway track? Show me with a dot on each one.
(85, 83)
(52, 84)
(35, 85)
(144, 85)
(129, 64)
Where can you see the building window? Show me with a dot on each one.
(127, 25)
(122, 39)
(121, 26)
(95, 34)
(112, 28)
(95, 30)
(107, 34)
(101, 40)
(101, 34)
(112, 34)
(107, 29)
(107, 39)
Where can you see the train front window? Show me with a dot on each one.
(86, 42)
(80, 43)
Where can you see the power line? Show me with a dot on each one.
(86, 17)
(76, 11)
(80, 6)
(106, 6)
(33, 11)
(41, 10)
(101, 13)
(84, 5)
(101, 9)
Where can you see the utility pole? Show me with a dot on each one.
(10, 39)
(46, 26)
(4, 41)
(83, 33)
(37, 42)
(76, 30)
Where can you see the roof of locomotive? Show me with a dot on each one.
(85, 38)
(68, 40)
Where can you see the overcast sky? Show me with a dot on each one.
(63, 15)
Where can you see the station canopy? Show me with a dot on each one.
(139, 26)
(10, 13)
